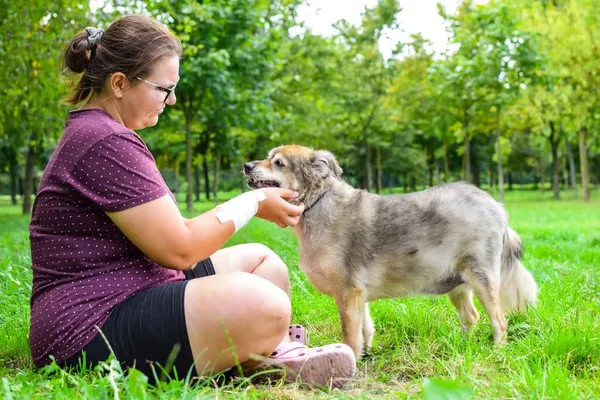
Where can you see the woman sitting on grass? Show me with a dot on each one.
(112, 252)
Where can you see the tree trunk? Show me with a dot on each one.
(368, 171)
(476, 172)
(555, 167)
(29, 172)
(197, 182)
(14, 179)
(467, 144)
(499, 157)
(542, 175)
(378, 169)
(216, 177)
(365, 137)
(431, 166)
(583, 160)
(564, 172)
(177, 180)
(555, 172)
(467, 159)
(446, 162)
(490, 169)
(572, 173)
(189, 199)
(206, 179)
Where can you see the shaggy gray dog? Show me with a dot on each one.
(358, 246)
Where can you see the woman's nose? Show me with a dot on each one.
(171, 99)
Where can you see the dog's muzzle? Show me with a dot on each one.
(255, 183)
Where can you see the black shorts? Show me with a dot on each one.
(147, 331)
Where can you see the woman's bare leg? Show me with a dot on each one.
(245, 310)
(232, 316)
(255, 259)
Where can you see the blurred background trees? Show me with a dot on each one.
(514, 100)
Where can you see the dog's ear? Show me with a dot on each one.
(325, 164)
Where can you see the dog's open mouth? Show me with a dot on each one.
(257, 184)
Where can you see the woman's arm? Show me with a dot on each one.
(159, 230)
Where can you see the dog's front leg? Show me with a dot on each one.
(351, 305)
(368, 329)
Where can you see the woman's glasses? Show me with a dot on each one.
(168, 91)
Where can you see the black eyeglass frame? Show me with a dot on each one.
(168, 91)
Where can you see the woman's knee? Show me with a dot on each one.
(265, 253)
(244, 300)
(268, 310)
(273, 268)
(267, 300)
(247, 258)
(238, 309)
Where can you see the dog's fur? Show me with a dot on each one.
(357, 246)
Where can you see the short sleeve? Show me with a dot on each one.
(117, 173)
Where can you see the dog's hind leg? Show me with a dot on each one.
(487, 288)
(462, 298)
(351, 305)
(368, 329)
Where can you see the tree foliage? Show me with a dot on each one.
(514, 97)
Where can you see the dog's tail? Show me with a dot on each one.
(518, 288)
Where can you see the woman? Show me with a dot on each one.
(112, 253)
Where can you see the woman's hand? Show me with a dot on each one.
(276, 208)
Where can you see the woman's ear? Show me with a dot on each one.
(118, 84)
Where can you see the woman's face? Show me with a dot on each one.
(141, 105)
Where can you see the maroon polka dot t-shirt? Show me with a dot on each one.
(83, 265)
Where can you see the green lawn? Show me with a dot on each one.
(553, 352)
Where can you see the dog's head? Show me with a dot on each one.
(294, 167)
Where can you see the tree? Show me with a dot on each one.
(571, 40)
(29, 63)
(508, 60)
(228, 54)
(367, 80)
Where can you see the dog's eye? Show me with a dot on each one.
(279, 163)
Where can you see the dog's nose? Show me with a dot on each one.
(249, 166)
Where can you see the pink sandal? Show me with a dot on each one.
(299, 334)
(331, 365)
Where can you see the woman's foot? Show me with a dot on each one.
(299, 334)
(327, 366)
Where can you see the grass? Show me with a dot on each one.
(419, 351)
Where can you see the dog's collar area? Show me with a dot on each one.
(315, 202)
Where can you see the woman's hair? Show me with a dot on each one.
(130, 45)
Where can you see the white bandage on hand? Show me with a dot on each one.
(241, 208)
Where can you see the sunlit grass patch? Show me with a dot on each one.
(418, 350)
